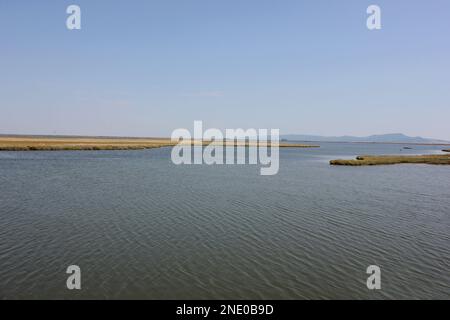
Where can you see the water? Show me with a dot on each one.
(141, 227)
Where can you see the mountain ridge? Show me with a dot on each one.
(380, 138)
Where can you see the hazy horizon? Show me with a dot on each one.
(147, 68)
(282, 135)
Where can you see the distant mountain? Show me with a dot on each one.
(390, 138)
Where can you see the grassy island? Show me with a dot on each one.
(384, 160)
(446, 150)
(46, 143)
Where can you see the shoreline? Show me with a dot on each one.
(372, 142)
(435, 159)
(47, 143)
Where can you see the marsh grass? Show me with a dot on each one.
(385, 160)
(60, 144)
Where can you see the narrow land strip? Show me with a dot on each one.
(384, 160)
(15, 143)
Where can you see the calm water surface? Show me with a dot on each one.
(141, 227)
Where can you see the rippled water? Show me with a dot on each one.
(141, 227)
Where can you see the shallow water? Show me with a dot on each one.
(142, 227)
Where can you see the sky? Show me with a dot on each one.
(147, 67)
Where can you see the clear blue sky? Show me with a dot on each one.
(144, 68)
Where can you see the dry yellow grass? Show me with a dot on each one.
(50, 143)
(384, 160)
(14, 143)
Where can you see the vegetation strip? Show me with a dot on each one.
(59, 144)
(384, 160)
